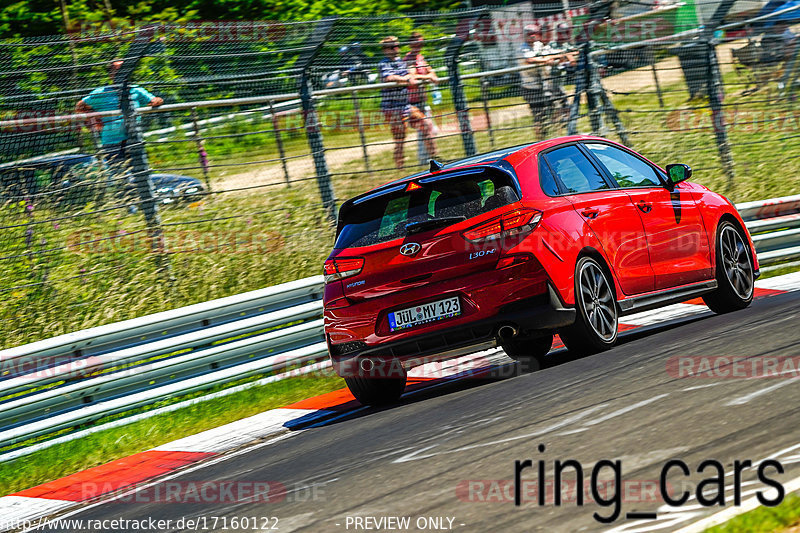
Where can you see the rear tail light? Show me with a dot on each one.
(340, 268)
(506, 225)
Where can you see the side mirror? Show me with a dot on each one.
(676, 173)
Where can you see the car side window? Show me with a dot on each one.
(546, 179)
(575, 171)
(627, 169)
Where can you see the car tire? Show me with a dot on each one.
(735, 276)
(376, 391)
(597, 318)
(528, 351)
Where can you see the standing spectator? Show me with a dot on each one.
(566, 60)
(395, 100)
(352, 69)
(790, 51)
(789, 39)
(113, 135)
(417, 95)
(534, 52)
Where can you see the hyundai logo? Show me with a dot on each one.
(410, 249)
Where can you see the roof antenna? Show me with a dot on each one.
(435, 165)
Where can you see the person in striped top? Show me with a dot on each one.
(395, 102)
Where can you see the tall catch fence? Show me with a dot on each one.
(114, 208)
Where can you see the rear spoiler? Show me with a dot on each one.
(426, 178)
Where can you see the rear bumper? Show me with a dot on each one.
(541, 313)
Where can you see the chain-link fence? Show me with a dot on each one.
(160, 165)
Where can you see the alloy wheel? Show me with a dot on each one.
(736, 262)
(598, 301)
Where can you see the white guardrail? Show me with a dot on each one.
(81, 377)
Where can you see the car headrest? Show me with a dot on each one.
(502, 196)
(467, 195)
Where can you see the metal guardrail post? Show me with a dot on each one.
(715, 95)
(311, 119)
(279, 142)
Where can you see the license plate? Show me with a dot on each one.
(425, 313)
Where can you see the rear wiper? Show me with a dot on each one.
(417, 227)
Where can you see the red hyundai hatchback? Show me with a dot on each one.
(509, 247)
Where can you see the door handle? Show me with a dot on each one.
(590, 213)
(644, 207)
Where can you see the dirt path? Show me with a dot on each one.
(668, 71)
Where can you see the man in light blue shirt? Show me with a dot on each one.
(113, 135)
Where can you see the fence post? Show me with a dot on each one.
(140, 168)
(594, 91)
(655, 79)
(587, 82)
(201, 149)
(485, 98)
(596, 97)
(279, 142)
(311, 120)
(789, 72)
(575, 105)
(135, 148)
(715, 95)
(360, 125)
(457, 91)
(314, 136)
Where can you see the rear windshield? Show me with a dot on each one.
(387, 216)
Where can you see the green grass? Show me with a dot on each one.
(780, 271)
(764, 519)
(107, 445)
(227, 246)
(766, 156)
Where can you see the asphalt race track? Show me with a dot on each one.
(445, 450)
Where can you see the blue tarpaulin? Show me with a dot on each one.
(774, 6)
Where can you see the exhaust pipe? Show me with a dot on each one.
(507, 332)
(366, 365)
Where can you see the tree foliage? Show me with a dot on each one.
(44, 17)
